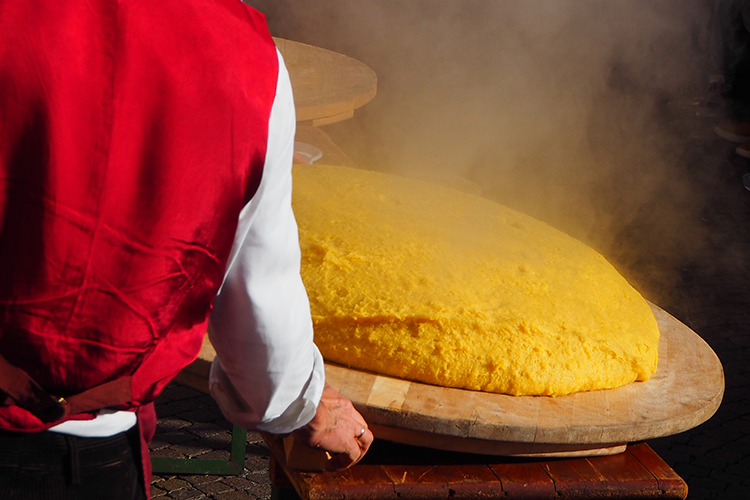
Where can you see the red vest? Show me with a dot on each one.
(132, 133)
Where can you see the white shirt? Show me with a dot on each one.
(268, 374)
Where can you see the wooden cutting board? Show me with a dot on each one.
(685, 391)
(327, 86)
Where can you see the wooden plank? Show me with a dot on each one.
(525, 480)
(366, 482)
(671, 484)
(602, 477)
(388, 393)
(471, 481)
(396, 471)
(417, 481)
(316, 485)
(309, 486)
(488, 447)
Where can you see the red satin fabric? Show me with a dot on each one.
(131, 135)
(146, 428)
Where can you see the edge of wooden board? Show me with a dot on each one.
(597, 419)
(489, 447)
(686, 390)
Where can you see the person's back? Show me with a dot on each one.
(132, 134)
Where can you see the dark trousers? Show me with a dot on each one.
(52, 466)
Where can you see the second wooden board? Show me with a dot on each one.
(327, 86)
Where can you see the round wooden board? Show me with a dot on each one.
(685, 391)
(327, 86)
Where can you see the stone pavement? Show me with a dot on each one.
(709, 291)
(190, 425)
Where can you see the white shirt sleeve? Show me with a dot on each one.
(268, 373)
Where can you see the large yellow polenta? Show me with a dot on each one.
(420, 282)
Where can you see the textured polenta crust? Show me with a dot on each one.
(425, 283)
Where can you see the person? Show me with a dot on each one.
(145, 198)
(729, 37)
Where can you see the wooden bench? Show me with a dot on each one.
(391, 471)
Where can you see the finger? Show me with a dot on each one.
(365, 440)
(358, 418)
(346, 459)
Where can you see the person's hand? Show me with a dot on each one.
(338, 429)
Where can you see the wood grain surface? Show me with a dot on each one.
(685, 391)
(393, 471)
(327, 86)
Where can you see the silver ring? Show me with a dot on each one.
(361, 433)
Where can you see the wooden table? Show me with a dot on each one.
(391, 471)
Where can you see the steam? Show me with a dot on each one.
(553, 107)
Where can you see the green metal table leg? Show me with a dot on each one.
(232, 467)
